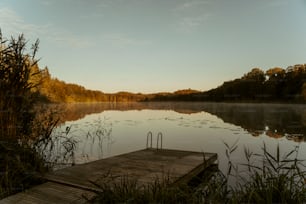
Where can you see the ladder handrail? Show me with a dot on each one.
(150, 134)
(150, 138)
(161, 140)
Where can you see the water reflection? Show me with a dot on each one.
(273, 120)
(185, 126)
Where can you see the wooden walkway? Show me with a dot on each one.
(75, 184)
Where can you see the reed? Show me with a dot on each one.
(274, 179)
(263, 178)
(24, 137)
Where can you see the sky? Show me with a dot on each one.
(158, 45)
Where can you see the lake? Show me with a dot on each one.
(101, 130)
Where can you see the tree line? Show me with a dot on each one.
(274, 85)
(51, 89)
(54, 90)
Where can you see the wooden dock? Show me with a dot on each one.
(76, 184)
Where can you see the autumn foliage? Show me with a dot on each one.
(54, 90)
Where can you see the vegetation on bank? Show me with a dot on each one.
(274, 85)
(263, 178)
(25, 127)
(54, 90)
(17, 98)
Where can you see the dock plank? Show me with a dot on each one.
(145, 165)
(48, 193)
(71, 184)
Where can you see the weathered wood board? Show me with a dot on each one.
(50, 192)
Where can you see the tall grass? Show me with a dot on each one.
(19, 167)
(23, 161)
(18, 159)
(23, 137)
(263, 178)
(130, 191)
(274, 179)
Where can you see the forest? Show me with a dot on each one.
(53, 90)
(274, 85)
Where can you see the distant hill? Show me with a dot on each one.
(274, 85)
(180, 95)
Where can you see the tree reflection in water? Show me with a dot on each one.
(273, 120)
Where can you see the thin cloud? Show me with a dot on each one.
(14, 24)
(120, 40)
(46, 2)
(93, 15)
(191, 4)
(193, 21)
(71, 40)
(64, 38)
(190, 23)
(278, 3)
(192, 14)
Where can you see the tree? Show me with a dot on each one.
(275, 72)
(275, 83)
(255, 74)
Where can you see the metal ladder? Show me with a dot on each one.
(159, 145)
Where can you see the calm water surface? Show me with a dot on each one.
(102, 130)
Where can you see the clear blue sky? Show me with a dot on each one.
(158, 45)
